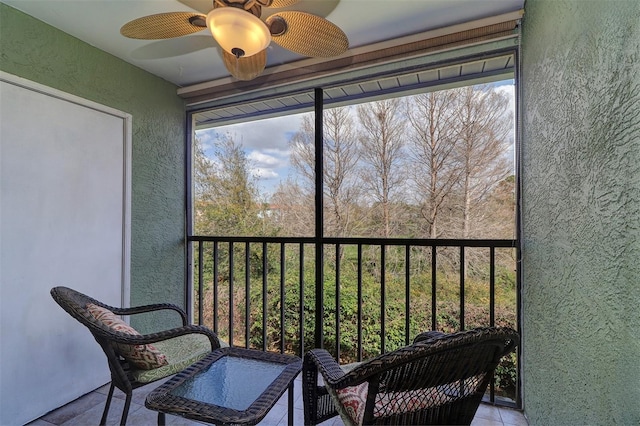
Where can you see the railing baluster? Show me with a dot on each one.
(434, 306)
(462, 276)
(383, 299)
(231, 303)
(359, 302)
(214, 286)
(200, 282)
(282, 301)
(492, 286)
(302, 318)
(265, 265)
(337, 248)
(407, 292)
(247, 294)
(492, 311)
(319, 305)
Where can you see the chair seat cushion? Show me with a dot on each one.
(181, 352)
(145, 357)
(353, 401)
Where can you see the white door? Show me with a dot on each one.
(64, 213)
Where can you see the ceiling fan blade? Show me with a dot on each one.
(277, 4)
(247, 67)
(307, 34)
(164, 25)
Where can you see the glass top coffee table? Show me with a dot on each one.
(228, 386)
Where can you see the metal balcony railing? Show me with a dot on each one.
(372, 295)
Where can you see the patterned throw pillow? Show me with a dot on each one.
(353, 399)
(145, 357)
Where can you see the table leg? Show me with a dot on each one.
(290, 418)
(161, 419)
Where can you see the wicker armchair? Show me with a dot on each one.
(439, 379)
(173, 349)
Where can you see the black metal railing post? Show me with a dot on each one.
(231, 280)
(383, 299)
(265, 290)
(247, 292)
(337, 315)
(359, 302)
(434, 305)
(200, 281)
(216, 275)
(282, 295)
(302, 316)
(407, 293)
(462, 278)
(319, 209)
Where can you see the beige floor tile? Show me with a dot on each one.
(479, 421)
(512, 417)
(298, 417)
(40, 422)
(93, 415)
(488, 412)
(275, 416)
(76, 408)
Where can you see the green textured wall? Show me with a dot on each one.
(41, 53)
(581, 211)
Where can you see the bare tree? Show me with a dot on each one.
(484, 126)
(381, 146)
(292, 210)
(500, 211)
(340, 159)
(303, 158)
(432, 152)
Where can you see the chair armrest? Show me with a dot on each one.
(325, 364)
(129, 339)
(151, 308)
(318, 404)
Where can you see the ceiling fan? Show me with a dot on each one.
(243, 36)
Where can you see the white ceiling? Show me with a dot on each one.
(196, 58)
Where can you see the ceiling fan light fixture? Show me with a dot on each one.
(237, 31)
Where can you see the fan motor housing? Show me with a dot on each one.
(252, 6)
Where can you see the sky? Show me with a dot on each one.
(266, 142)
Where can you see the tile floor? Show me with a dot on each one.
(87, 410)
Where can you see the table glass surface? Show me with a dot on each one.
(231, 382)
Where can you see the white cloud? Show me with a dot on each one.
(272, 133)
(509, 90)
(264, 159)
(264, 173)
(206, 139)
(282, 153)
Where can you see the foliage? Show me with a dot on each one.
(506, 375)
